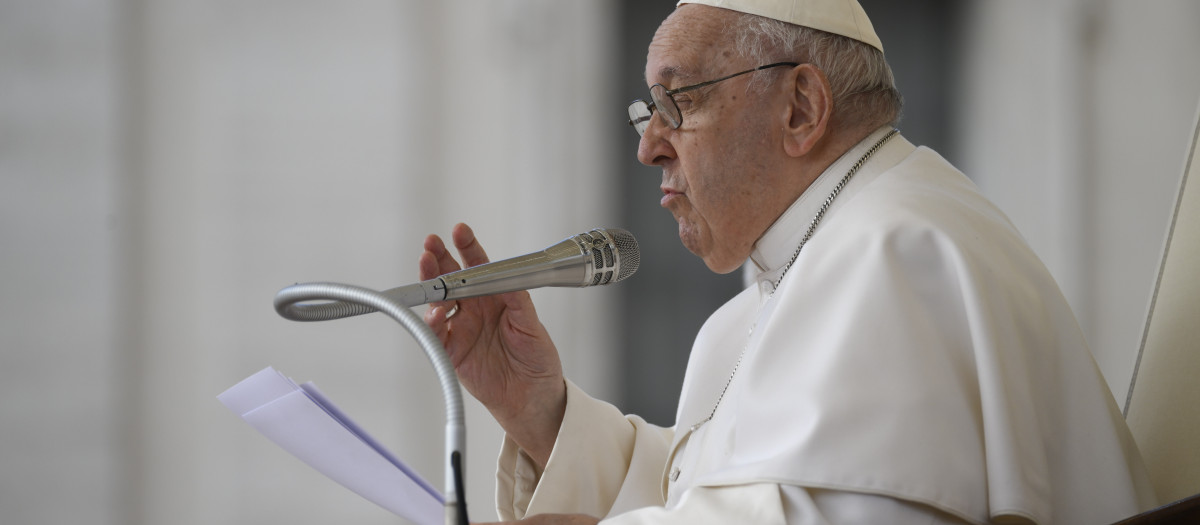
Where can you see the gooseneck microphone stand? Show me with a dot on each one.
(599, 257)
(353, 300)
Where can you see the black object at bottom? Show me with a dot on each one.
(456, 464)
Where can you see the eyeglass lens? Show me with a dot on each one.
(666, 105)
(639, 116)
(640, 112)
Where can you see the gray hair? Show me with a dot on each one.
(864, 91)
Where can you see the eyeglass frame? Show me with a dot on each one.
(643, 121)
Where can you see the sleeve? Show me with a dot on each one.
(603, 463)
(768, 504)
(608, 464)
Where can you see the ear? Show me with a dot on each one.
(809, 110)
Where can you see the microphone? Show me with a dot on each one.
(601, 256)
(598, 257)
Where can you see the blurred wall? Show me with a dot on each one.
(1074, 117)
(168, 166)
(60, 162)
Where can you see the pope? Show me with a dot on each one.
(902, 356)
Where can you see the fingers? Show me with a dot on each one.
(472, 254)
(436, 259)
(436, 319)
(468, 246)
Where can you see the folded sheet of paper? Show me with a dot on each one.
(304, 422)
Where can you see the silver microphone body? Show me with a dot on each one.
(601, 256)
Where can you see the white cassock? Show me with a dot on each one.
(917, 364)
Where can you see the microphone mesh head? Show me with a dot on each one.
(627, 252)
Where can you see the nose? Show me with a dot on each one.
(654, 149)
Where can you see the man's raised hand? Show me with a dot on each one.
(500, 350)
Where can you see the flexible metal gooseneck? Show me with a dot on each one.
(363, 300)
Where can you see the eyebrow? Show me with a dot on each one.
(668, 73)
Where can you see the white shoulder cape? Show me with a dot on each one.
(917, 349)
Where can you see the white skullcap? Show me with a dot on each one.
(840, 17)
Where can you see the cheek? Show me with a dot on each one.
(715, 194)
(730, 174)
(727, 169)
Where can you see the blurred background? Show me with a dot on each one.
(167, 166)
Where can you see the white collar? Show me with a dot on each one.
(777, 245)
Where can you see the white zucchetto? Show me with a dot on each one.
(841, 17)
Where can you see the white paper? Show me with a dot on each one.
(304, 422)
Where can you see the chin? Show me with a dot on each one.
(718, 263)
(722, 267)
(694, 241)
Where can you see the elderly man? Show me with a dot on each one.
(903, 357)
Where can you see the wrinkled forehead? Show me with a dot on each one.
(690, 45)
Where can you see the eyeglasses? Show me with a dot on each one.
(663, 100)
